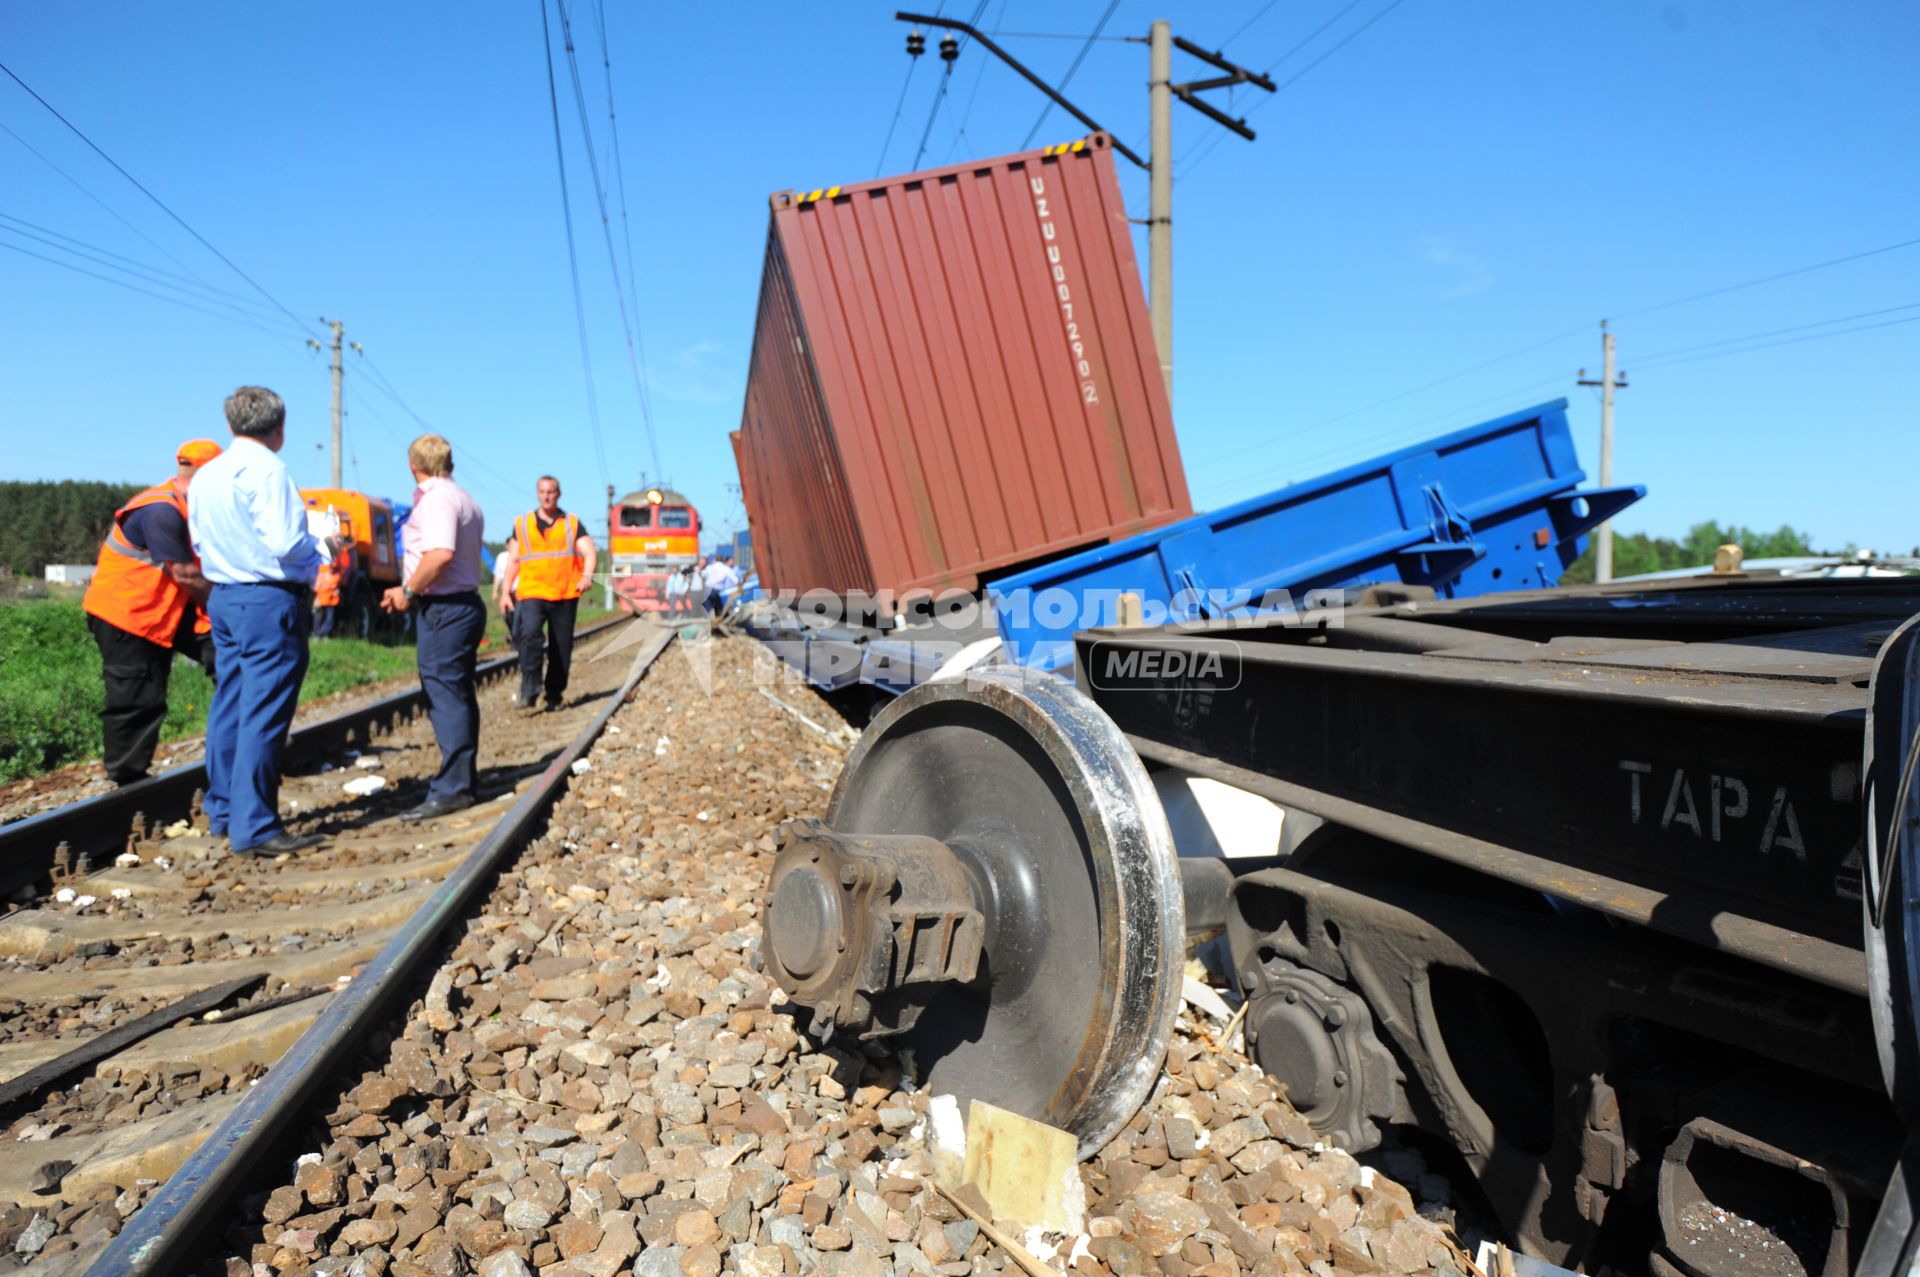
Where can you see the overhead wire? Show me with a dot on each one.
(1645, 361)
(1577, 330)
(606, 232)
(946, 79)
(1764, 279)
(112, 212)
(1243, 28)
(980, 73)
(1208, 148)
(620, 182)
(131, 266)
(171, 300)
(157, 201)
(1067, 79)
(573, 256)
(879, 165)
(1787, 341)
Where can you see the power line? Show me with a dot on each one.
(1243, 27)
(880, 164)
(573, 257)
(1303, 72)
(1067, 35)
(110, 210)
(1765, 279)
(606, 232)
(1268, 442)
(138, 269)
(158, 202)
(1067, 79)
(626, 227)
(1788, 341)
(980, 73)
(1650, 360)
(121, 283)
(945, 80)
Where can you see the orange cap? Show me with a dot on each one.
(197, 452)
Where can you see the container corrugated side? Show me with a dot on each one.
(953, 372)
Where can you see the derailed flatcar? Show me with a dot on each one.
(1599, 888)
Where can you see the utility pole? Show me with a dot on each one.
(606, 574)
(1608, 383)
(1160, 198)
(338, 329)
(1159, 165)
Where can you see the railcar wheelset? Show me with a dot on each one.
(996, 889)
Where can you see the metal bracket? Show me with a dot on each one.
(1574, 514)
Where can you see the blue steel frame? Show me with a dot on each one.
(1492, 507)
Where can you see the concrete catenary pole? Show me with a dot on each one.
(606, 570)
(1160, 200)
(1608, 383)
(338, 329)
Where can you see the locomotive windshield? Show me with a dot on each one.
(635, 516)
(676, 518)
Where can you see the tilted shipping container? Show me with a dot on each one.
(953, 372)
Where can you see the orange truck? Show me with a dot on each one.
(371, 561)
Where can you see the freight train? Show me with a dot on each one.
(1594, 895)
(655, 531)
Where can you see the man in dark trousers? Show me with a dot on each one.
(147, 601)
(440, 584)
(548, 565)
(249, 527)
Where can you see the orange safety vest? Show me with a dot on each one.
(131, 590)
(549, 561)
(326, 586)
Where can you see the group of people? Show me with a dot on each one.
(706, 583)
(218, 563)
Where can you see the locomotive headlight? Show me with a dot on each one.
(655, 496)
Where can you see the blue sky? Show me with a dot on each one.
(1454, 183)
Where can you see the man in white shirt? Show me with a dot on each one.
(720, 579)
(249, 527)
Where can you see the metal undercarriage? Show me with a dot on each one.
(1584, 903)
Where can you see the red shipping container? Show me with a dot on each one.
(953, 372)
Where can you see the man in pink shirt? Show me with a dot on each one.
(441, 587)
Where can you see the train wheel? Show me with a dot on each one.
(998, 890)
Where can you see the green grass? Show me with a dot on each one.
(51, 694)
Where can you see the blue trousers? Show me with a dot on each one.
(260, 649)
(447, 638)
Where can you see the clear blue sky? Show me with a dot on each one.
(1456, 182)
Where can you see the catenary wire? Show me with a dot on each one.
(1645, 361)
(1067, 79)
(148, 274)
(573, 257)
(906, 83)
(626, 227)
(158, 202)
(606, 233)
(1244, 27)
(979, 74)
(278, 334)
(112, 212)
(1303, 72)
(1571, 332)
(946, 80)
(1788, 341)
(1764, 279)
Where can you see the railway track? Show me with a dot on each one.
(77, 835)
(190, 972)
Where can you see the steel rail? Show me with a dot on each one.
(101, 825)
(161, 1237)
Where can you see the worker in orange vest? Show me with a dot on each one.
(547, 566)
(326, 594)
(147, 601)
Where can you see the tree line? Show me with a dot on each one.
(63, 521)
(1636, 552)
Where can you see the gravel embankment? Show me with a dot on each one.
(599, 1081)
